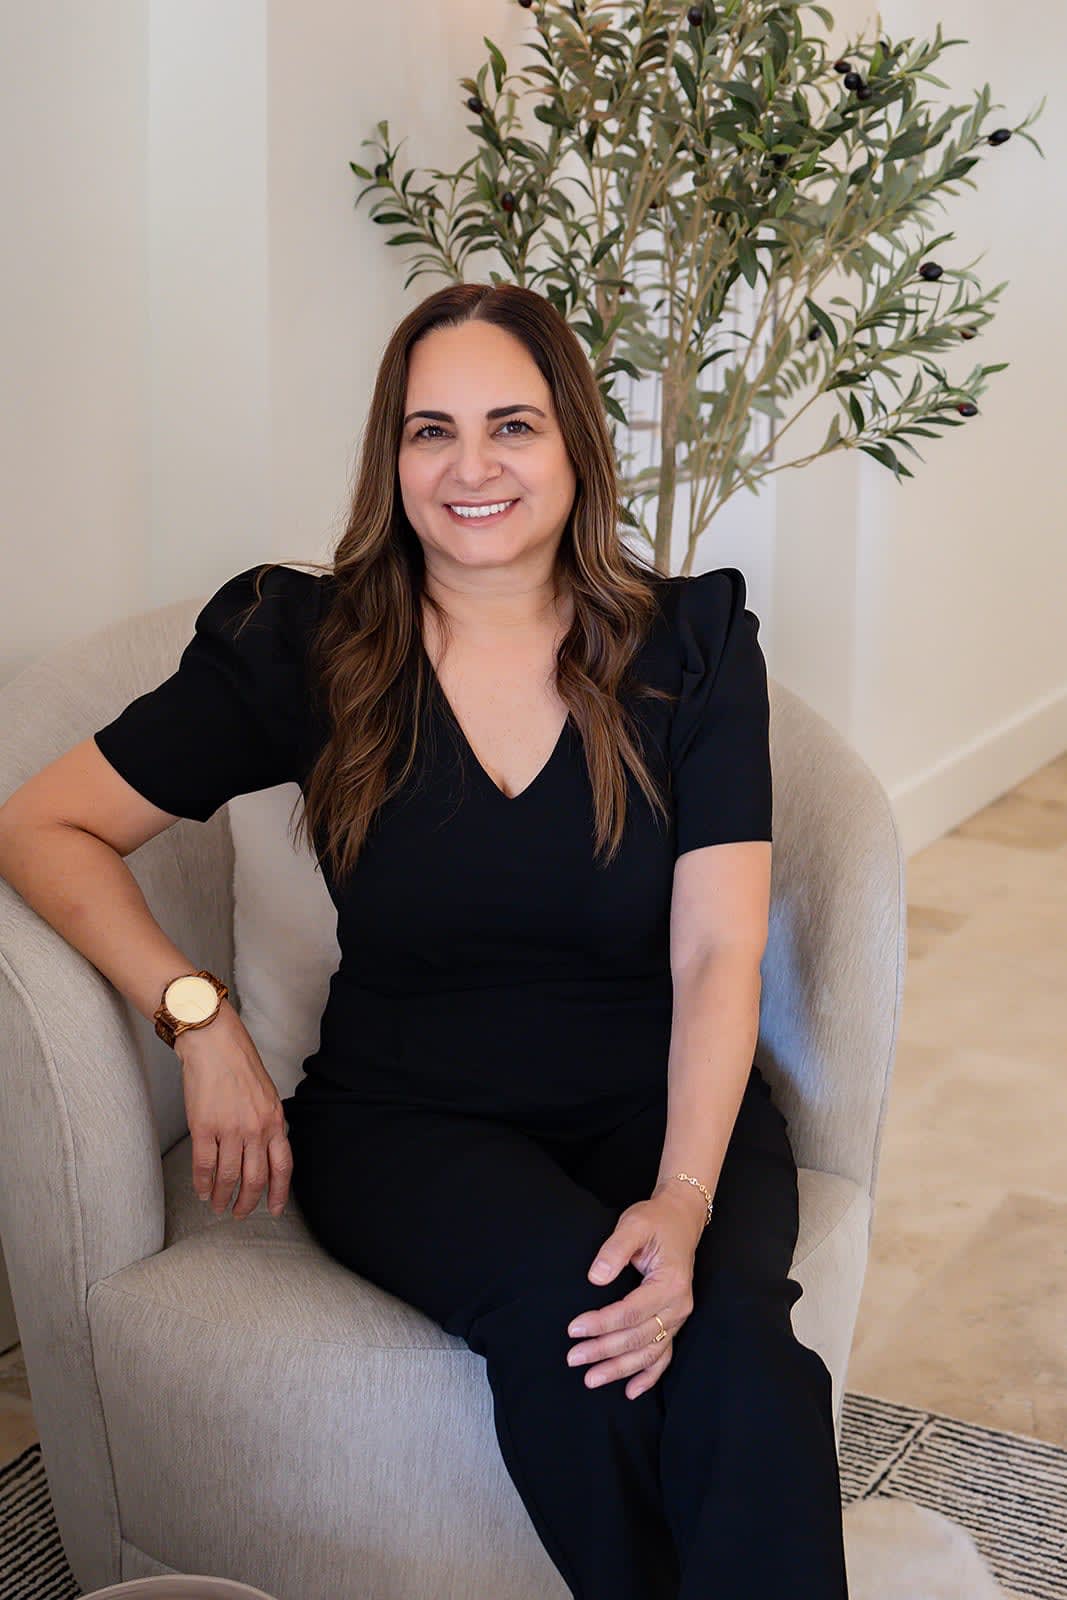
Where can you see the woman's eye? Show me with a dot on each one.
(513, 422)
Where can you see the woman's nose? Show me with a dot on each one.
(473, 461)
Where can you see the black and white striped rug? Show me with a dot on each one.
(1009, 1492)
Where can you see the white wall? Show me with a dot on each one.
(77, 546)
(963, 595)
(927, 620)
(208, 355)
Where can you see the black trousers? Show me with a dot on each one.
(720, 1482)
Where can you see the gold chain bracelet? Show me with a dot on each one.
(702, 1189)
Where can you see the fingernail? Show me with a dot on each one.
(599, 1268)
(577, 1327)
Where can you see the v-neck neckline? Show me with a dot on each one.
(437, 688)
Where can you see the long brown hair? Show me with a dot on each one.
(366, 657)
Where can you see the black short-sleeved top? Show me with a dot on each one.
(488, 960)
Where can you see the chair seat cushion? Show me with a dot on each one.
(256, 1389)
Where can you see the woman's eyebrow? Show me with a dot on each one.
(498, 411)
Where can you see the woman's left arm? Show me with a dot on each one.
(720, 911)
(719, 920)
(713, 1041)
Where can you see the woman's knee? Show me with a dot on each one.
(747, 1322)
(743, 1290)
(544, 1285)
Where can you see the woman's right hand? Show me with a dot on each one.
(235, 1116)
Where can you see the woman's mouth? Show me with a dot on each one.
(477, 516)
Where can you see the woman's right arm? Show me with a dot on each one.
(63, 836)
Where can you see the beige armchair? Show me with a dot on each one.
(220, 1396)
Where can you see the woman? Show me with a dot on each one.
(536, 774)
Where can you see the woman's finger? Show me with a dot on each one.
(625, 1366)
(205, 1157)
(253, 1178)
(620, 1341)
(280, 1153)
(635, 1308)
(618, 1354)
(653, 1372)
(231, 1150)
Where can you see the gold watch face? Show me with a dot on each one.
(191, 998)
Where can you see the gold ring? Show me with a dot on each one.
(663, 1334)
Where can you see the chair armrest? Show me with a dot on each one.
(89, 1097)
(81, 1182)
(837, 948)
(81, 1195)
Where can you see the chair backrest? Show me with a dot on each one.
(284, 934)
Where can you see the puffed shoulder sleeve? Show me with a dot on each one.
(226, 721)
(720, 744)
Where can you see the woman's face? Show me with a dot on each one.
(453, 451)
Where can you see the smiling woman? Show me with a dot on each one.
(537, 777)
(504, 468)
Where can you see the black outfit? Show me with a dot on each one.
(490, 1088)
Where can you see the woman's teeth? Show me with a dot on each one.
(471, 513)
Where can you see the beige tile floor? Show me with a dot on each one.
(964, 1306)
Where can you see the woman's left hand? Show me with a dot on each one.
(659, 1236)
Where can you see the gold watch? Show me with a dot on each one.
(191, 1000)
